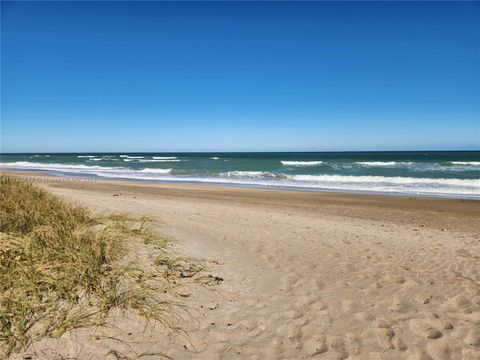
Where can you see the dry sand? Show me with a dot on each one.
(307, 274)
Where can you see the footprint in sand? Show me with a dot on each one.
(398, 279)
(367, 316)
(469, 354)
(320, 284)
(433, 333)
(318, 306)
(294, 314)
(399, 344)
(350, 306)
(384, 338)
(461, 303)
(338, 346)
(473, 338)
(443, 323)
(401, 305)
(425, 329)
(382, 324)
(440, 350)
(294, 332)
(316, 346)
(420, 355)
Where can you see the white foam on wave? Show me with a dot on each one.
(423, 166)
(301, 163)
(376, 163)
(414, 166)
(214, 158)
(85, 156)
(243, 173)
(380, 184)
(131, 157)
(471, 163)
(252, 174)
(383, 163)
(392, 184)
(55, 167)
(164, 157)
(105, 171)
(385, 179)
(158, 160)
(156, 171)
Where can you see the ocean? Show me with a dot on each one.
(431, 173)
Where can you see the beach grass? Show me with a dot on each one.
(63, 267)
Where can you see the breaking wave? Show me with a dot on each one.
(376, 163)
(158, 160)
(471, 163)
(301, 163)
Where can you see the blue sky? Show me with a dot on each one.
(158, 76)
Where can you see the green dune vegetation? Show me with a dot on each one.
(63, 267)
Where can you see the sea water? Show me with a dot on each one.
(445, 173)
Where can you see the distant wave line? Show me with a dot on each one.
(473, 163)
(301, 163)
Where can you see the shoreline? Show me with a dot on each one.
(329, 203)
(86, 178)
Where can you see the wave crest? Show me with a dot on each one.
(471, 163)
(158, 160)
(384, 163)
(253, 174)
(301, 163)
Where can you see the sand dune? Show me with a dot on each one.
(307, 275)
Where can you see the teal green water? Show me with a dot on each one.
(450, 173)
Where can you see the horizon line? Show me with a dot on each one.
(230, 152)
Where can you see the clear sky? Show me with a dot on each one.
(233, 76)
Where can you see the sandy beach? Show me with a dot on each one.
(306, 274)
